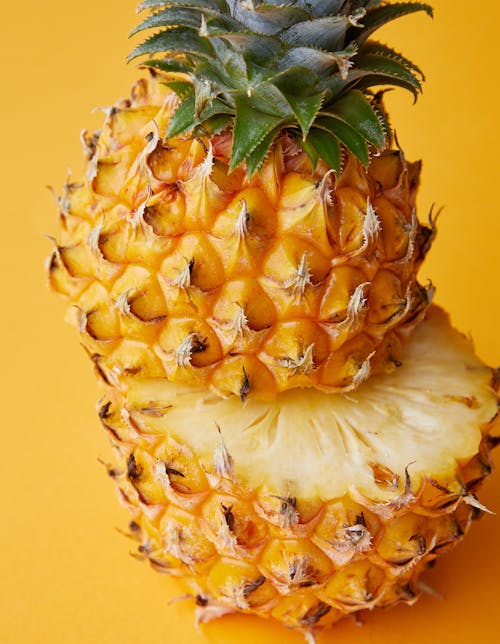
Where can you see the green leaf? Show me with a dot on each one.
(255, 47)
(382, 116)
(228, 62)
(364, 79)
(381, 66)
(214, 72)
(251, 126)
(218, 5)
(172, 16)
(216, 107)
(310, 150)
(190, 17)
(297, 80)
(216, 116)
(182, 88)
(327, 146)
(355, 110)
(378, 49)
(181, 40)
(376, 18)
(202, 93)
(171, 65)
(184, 117)
(257, 157)
(268, 19)
(367, 81)
(268, 98)
(213, 125)
(320, 8)
(305, 109)
(322, 33)
(353, 141)
(257, 73)
(320, 62)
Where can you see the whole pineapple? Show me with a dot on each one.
(241, 257)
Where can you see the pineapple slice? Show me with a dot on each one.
(307, 506)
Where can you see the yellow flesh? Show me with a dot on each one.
(426, 415)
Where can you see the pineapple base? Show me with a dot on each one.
(227, 515)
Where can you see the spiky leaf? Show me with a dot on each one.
(213, 125)
(305, 109)
(257, 157)
(177, 40)
(347, 135)
(267, 19)
(251, 126)
(380, 16)
(355, 110)
(156, 4)
(319, 62)
(327, 146)
(391, 70)
(311, 151)
(215, 108)
(323, 33)
(183, 117)
(321, 7)
(378, 49)
(173, 16)
(256, 48)
(170, 66)
(183, 89)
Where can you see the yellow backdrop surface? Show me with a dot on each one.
(66, 575)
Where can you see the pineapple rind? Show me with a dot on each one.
(177, 269)
(306, 557)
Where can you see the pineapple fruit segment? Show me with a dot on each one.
(307, 506)
(177, 268)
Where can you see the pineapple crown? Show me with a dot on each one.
(263, 67)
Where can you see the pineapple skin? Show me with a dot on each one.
(177, 269)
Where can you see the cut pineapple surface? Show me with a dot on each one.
(423, 418)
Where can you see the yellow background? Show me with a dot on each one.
(65, 573)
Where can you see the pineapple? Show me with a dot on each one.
(298, 431)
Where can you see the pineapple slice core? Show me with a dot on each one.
(418, 422)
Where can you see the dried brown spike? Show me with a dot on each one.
(201, 601)
(228, 516)
(134, 471)
(245, 386)
(314, 614)
(252, 586)
(104, 410)
(170, 471)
